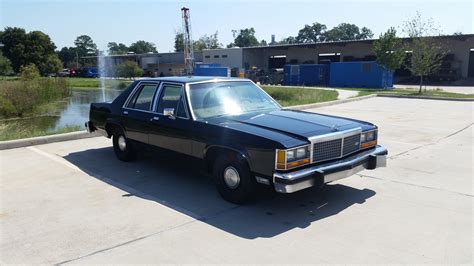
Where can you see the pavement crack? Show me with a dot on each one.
(432, 143)
(416, 185)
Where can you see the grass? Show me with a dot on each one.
(93, 83)
(288, 96)
(11, 131)
(411, 93)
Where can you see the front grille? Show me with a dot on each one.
(335, 148)
(351, 144)
(327, 150)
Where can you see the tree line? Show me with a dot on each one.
(315, 32)
(21, 48)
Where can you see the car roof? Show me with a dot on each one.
(193, 79)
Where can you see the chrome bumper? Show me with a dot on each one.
(288, 182)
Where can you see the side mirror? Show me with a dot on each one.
(169, 112)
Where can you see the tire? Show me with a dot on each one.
(123, 147)
(238, 192)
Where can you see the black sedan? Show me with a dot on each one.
(241, 134)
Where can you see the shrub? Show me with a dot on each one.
(20, 97)
(128, 69)
(5, 66)
(29, 72)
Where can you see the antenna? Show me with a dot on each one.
(188, 43)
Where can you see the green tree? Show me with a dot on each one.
(346, 31)
(14, 41)
(310, 34)
(427, 50)
(40, 50)
(207, 42)
(29, 72)
(24, 48)
(128, 69)
(5, 66)
(85, 46)
(244, 38)
(117, 48)
(178, 42)
(143, 47)
(288, 40)
(50, 65)
(68, 57)
(389, 50)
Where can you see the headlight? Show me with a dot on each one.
(287, 159)
(368, 139)
(290, 155)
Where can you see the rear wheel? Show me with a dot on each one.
(123, 147)
(233, 180)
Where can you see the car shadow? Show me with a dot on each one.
(178, 183)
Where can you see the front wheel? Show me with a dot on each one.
(123, 147)
(233, 180)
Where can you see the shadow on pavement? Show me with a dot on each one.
(173, 181)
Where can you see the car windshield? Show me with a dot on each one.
(228, 98)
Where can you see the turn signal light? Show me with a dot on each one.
(297, 163)
(368, 144)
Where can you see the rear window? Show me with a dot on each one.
(143, 97)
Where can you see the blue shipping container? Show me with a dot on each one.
(212, 71)
(313, 74)
(366, 74)
(291, 74)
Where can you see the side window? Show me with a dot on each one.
(143, 97)
(172, 96)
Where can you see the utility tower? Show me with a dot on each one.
(188, 43)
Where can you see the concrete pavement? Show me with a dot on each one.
(73, 202)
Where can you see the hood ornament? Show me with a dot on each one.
(334, 128)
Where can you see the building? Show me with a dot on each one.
(457, 64)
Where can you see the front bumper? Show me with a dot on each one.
(288, 182)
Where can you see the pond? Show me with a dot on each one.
(73, 112)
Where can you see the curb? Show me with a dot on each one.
(426, 98)
(19, 143)
(324, 104)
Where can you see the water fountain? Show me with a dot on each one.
(102, 72)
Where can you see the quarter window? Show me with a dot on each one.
(143, 97)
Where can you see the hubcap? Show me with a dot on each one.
(231, 177)
(122, 143)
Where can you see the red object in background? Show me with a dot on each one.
(72, 73)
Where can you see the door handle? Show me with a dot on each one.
(125, 112)
(155, 118)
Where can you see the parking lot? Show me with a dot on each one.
(74, 202)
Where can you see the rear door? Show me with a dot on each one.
(136, 113)
(172, 133)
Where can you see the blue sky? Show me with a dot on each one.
(156, 21)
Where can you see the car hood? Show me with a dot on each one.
(290, 123)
